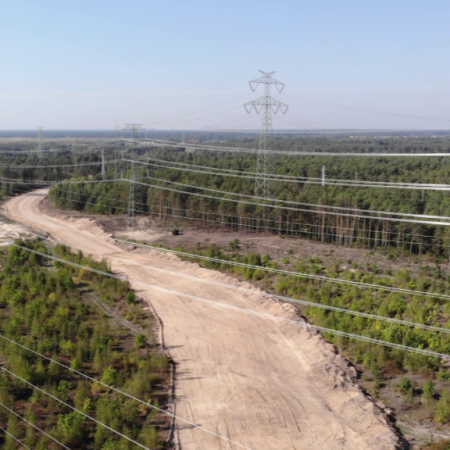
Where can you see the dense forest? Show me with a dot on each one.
(54, 310)
(197, 196)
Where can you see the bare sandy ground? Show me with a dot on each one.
(262, 383)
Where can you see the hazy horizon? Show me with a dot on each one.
(187, 65)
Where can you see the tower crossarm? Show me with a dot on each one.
(260, 103)
(266, 79)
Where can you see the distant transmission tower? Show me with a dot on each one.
(264, 187)
(133, 127)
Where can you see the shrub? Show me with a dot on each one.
(131, 298)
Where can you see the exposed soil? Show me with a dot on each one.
(262, 383)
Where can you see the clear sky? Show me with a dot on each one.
(98, 64)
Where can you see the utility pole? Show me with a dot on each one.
(264, 187)
(133, 127)
(323, 175)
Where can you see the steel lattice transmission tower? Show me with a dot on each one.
(134, 191)
(264, 187)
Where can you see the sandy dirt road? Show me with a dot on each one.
(265, 384)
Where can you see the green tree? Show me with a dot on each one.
(109, 376)
(140, 340)
(443, 407)
(427, 396)
(130, 298)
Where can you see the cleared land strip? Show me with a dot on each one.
(264, 384)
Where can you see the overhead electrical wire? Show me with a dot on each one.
(327, 227)
(119, 391)
(294, 300)
(202, 109)
(287, 177)
(307, 180)
(55, 166)
(293, 202)
(316, 277)
(68, 148)
(275, 177)
(209, 115)
(246, 310)
(240, 120)
(35, 427)
(361, 211)
(166, 143)
(392, 235)
(332, 213)
(295, 274)
(363, 110)
(276, 229)
(13, 437)
(287, 208)
(74, 409)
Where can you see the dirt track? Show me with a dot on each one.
(262, 383)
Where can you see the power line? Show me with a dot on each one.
(237, 121)
(289, 177)
(248, 311)
(114, 388)
(302, 302)
(110, 275)
(201, 110)
(55, 166)
(424, 216)
(265, 227)
(392, 236)
(246, 174)
(35, 427)
(303, 180)
(17, 440)
(295, 274)
(165, 143)
(364, 110)
(276, 200)
(287, 208)
(287, 222)
(74, 409)
(315, 205)
(209, 115)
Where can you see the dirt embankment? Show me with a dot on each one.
(262, 383)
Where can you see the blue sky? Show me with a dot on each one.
(97, 64)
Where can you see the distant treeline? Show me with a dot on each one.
(181, 206)
(249, 216)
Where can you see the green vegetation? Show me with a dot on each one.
(50, 310)
(411, 383)
(183, 208)
(422, 382)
